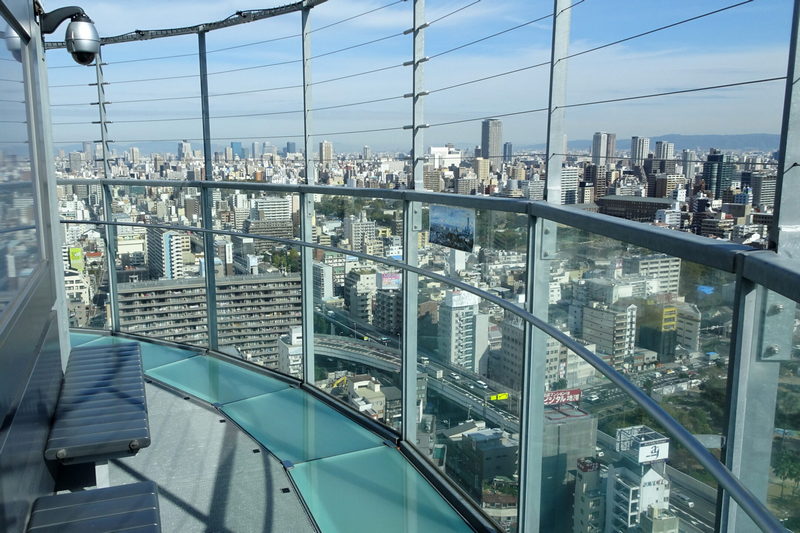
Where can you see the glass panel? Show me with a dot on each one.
(300, 428)
(156, 205)
(484, 248)
(165, 296)
(259, 303)
(357, 323)
(215, 381)
(664, 323)
(19, 240)
(86, 276)
(381, 487)
(776, 376)
(257, 213)
(468, 389)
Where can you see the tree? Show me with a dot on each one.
(786, 465)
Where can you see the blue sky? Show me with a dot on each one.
(744, 43)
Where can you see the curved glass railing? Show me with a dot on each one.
(570, 361)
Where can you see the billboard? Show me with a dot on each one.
(453, 227)
(389, 280)
(654, 451)
(557, 397)
(76, 258)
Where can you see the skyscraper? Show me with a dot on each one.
(640, 148)
(238, 150)
(665, 150)
(688, 158)
(291, 147)
(325, 154)
(611, 150)
(184, 150)
(367, 153)
(508, 150)
(492, 141)
(599, 148)
(717, 173)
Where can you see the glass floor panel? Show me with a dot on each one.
(297, 427)
(377, 487)
(155, 355)
(215, 381)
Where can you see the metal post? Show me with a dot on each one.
(763, 324)
(412, 224)
(558, 90)
(541, 245)
(787, 216)
(307, 211)
(533, 384)
(110, 232)
(40, 135)
(206, 199)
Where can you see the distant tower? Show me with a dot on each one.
(184, 150)
(291, 147)
(640, 148)
(599, 148)
(508, 150)
(611, 150)
(688, 158)
(367, 152)
(492, 141)
(325, 154)
(717, 173)
(665, 150)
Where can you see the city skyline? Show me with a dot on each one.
(757, 51)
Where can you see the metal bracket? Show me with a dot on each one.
(777, 327)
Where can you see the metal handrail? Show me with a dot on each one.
(714, 253)
(754, 508)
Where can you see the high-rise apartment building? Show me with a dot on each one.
(165, 253)
(253, 312)
(763, 187)
(569, 185)
(463, 330)
(492, 142)
(688, 159)
(640, 148)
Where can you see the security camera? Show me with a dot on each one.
(13, 43)
(82, 39)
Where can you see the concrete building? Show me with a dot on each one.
(463, 331)
(253, 312)
(166, 253)
(323, 281)
(290, 352)
(613, 329)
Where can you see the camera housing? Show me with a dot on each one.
(13, 43)
(82, 40)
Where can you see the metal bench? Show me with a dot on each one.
(101, 412)
(131, 508)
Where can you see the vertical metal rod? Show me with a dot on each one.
(110, 232)
(533, 384)
(562, 16)
(206, 199)
(412, 222)
(541, 244)
(307, 212)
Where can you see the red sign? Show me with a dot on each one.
(557, 397)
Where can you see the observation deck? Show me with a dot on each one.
(423, 340)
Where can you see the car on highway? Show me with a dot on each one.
(687, 501)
